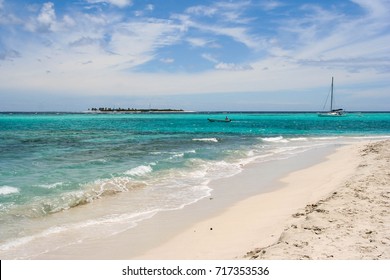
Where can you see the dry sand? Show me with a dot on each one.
(337, 209)
(351, 223)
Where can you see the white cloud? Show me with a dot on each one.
(232, 67)
(221, 19)
(96, 53)
(239, 34)
(47, 16)
(220, 12)
(223, 12)
(167, 60)
(47, 21)
(210, 58)
(336, 40)
(118, 3)
(375, 8)
(271, 5)
(10, 19)
(85, 41)
(68, 21)
(198, 42)
(82, 45)
(202, 10)
(138, 41)
(147, 10)
(218, 65)
(149, 7)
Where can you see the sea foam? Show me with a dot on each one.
(51, 186)
(6, 190)
(215, 140)
(278, 139)
(139, 170)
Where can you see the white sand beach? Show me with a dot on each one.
(352, 222)
(337, 209)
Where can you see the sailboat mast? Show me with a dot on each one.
(331, 96)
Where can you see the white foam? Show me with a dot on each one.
(139, 170)
(24, 240)
(299, 139)
(215, 140)
(111, 186)
(177, 155)
(51, 186)
(326, 138)
(278, 139)
(101, 160)
(5, 190)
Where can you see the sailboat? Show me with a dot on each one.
(332, 112)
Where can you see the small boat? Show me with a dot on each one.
(219, 120)
(332, 112)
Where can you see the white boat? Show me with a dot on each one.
(332, 112)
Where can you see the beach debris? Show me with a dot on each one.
(299, 214)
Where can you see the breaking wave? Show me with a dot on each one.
(6, 190)
(215, 140)
(139, 170)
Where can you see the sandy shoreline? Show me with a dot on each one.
(337, 209)
(332, 204)
(151, 233)
(351, 223)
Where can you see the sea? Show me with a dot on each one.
(57, 169)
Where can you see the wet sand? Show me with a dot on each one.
(337, 209)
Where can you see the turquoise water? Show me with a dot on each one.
(52, 163)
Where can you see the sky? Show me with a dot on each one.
(254, 55)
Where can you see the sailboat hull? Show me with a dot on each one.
(217, 120)
(331, 115)
(332, 112)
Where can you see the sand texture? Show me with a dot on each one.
(260, 220)
(353, 222)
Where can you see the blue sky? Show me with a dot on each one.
(195, 55)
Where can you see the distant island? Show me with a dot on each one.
(132, 110)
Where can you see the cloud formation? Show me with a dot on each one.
(128, 47)
(118, 3)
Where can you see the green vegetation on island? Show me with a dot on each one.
(132, 110)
